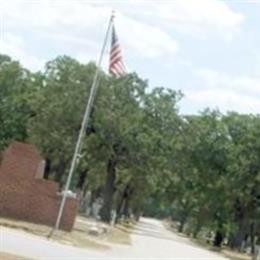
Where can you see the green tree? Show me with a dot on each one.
(16, 87)
(58, 106)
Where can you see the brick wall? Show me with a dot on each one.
(26, 196)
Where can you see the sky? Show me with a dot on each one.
(208, 49)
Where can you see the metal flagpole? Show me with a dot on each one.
(84, 125)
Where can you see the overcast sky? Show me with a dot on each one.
(208, 49)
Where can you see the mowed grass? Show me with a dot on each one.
(74, 238)
(121, 233)
(118, 234)
(235, 255)
(79, 236)
(231, 254)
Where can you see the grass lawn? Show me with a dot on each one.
(235, 255)
(120, 234)
(75, 238)
(79, 236)
(224, 251)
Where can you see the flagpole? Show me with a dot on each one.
(84, 125)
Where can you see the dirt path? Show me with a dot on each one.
(150, 240)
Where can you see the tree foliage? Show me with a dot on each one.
(138, 153)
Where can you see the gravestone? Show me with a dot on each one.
(96, 207)
(113, 217)
(87, 203)
(257, 253)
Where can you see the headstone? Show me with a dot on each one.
(257, 253)
(96, 207)
(80, 198)
(95, 230)
(86, 202)
(113, 217)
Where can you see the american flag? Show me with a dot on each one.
(116, 64)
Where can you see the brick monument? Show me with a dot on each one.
(25, 195)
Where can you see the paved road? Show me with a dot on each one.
(150, 240)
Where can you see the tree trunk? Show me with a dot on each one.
(109, 191)
(138, 214)
(238, 238)
(197, 230)
(123, 202)
(119, 207)
(47, 170)
(218, 239)
(242, 223)
(126, 208)
(182, 224)
(82, 179)
(59, 174)
(252, 237)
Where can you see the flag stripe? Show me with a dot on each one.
(116, 64)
